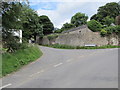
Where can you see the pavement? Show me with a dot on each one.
(68, 68)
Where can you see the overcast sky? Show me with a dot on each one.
(61, 11)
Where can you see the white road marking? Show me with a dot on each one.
(32, 63)
(5, 86)
(58, 64)
(69, 60)
(42, 71)
(36, 73)
(82, 55)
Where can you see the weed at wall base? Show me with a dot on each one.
(80, 47)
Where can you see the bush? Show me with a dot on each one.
(13, 46)
(108, 21)
(59, 31)
(63, 29)
(67, 26)
(94, 25)
(103, 32)
(113, 29)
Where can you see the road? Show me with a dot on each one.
(63, 68)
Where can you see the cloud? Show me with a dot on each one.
(64, 10)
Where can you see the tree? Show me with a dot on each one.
(16, 16)
(67, 26)
(10, 20)
(79, 19)
(94, 25)
(31, 25)
(10, 15)
(108, 21)
(47, 24)
(110, 10)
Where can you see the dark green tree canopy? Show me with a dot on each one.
(10, 20)
(67, 26)
(18, 16)
(31, 25)
(108, 20)
(11, 15)
(110, 10)
(47, 24)
(79, 19)
(94, 25)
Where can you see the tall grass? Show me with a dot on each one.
(14, 61)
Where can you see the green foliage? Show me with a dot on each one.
(31, 25)
(79, 19)
(47, 24)
(94, 25)
(59, 31)
(62, 29)
(10, 42)
(67, 26)
(52, 36)
(108, 21)
(10, 15)
(79, 47)
(113, 29)
(110, 10)
(103, 32)
(13, 46)
(14, 61)
(10, 20)
(17, 16)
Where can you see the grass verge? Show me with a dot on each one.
(14, 61)
(78, 47)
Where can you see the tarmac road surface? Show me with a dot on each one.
(64, 68)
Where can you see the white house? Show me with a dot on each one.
(19, 34)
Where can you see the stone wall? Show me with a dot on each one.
(117, 20)
(81, 37)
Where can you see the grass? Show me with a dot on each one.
(13, 61)
(78, 47)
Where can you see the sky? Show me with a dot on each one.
(61, 11)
